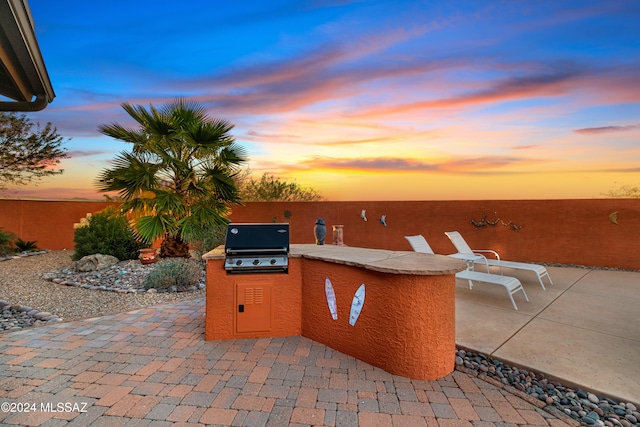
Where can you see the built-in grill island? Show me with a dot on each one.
(406, 324)
(257, 248)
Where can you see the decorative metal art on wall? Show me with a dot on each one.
(484, 222)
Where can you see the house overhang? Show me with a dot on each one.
(24, 81)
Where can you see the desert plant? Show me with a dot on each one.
(6, 237)
(174, 274)
(270, 188)
(179, 174)
(25, 246)
(28, 155)
(203, 239)
(107, 233)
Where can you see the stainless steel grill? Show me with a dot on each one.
(257, 248)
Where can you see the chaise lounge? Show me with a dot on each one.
(511, 284)
(475, 255)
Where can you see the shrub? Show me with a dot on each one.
(22, 246)
(109, 233)
(203, 239)
(178, 274)
(5, 242)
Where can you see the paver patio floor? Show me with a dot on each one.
(152, 367)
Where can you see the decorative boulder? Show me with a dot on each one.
(95, 262)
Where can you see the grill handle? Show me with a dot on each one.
(257, 251)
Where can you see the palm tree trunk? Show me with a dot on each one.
(174, 247)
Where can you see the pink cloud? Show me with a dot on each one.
(606, 129)
(469, 165)
(86, 153)
(553, 83)
(525, 147)
(54, 193)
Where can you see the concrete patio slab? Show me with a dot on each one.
(585, 311)
(574, 355)
(483, 328)
(583, 330)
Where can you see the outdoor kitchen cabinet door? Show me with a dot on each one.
(253, 305)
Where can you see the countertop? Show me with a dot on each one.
(381, 260)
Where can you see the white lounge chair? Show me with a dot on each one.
(419, 244)
(475, 255)
(511, 284)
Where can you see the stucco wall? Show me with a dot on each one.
(407, 323)
(556, 231)
(50, 223)
(402, 315)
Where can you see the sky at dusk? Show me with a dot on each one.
(363, 100)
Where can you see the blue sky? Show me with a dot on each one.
(364, 100)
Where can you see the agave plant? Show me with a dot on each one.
(179, 176)
(25, 246)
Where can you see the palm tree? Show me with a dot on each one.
(179, 176)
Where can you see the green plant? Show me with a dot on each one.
(107, 233)
(174, 273)
(203, 239)
(22, 246)
(270, 188)
(624, 192)
(179, 174)
(5, 241)
(27, 154)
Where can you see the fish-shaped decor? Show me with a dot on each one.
(331, 298)
(356, 305)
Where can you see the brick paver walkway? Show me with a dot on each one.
(152, 367)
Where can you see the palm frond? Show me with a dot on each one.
(148, 228)
(181, 169)
(116, 131)
(170, 203)
(130, 174)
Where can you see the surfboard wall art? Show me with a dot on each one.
(331, 298)
(356, 305)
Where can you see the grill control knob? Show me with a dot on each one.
(256, 261)
(239, 262)
(273, 261)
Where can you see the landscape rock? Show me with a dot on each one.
(95, 262)
(584, 407)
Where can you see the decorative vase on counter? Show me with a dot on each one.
(338, 235)
(320, 231)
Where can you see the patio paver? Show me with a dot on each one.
(153, 367)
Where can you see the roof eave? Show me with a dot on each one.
(22, 60)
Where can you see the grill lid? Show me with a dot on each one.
(254, 238)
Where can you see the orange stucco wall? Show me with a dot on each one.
(555, 231)
(286, 297)
(406, 326)
(407, 322)
(50, 223)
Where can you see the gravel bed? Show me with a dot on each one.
(587, 408)
(22, 284)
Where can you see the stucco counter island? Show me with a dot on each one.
(406, 304)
